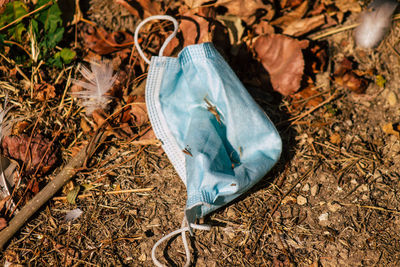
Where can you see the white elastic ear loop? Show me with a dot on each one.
(183, 231)
(162, 17)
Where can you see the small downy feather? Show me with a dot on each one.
(100, 80)
(374, 23)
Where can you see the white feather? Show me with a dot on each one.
(374, 23)
(100, 80)
(72, 215)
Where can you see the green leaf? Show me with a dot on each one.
(65, 56)
(17, 32)
(52, 39)
(53, 30)
(56, 60)
(50, 17)
(13, 11)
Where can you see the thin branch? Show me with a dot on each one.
(50, 189)
(127, 191)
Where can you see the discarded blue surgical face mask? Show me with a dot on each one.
(217, 137)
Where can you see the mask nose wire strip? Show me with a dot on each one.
(182, 231)
(161, 17)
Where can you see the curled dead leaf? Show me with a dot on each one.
(287, 19)
(354, 82)
(19, 127)
(35, 153)
(349, 78)
(103, 43)
(303, 26)
(44, 91)
(263, 28)
(281, 56)
(348, 5)
(194, 29)
(392, 128)
(247, 9)
(139, 113)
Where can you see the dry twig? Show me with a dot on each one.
(50, 189)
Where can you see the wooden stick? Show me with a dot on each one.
(50, 189)
(138, 190)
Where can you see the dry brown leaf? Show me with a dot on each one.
(281, 56)
(139, 113)
(348, 5)
(100, 118)
(303, 26)
(349, 78)
(354, 82)
(246, 9)
(44, 91)
(391, 128)
(263, 28)
(150, 7)
(196, 29)
(103, 43)
(344, 66)
(335, 138)
(145, 9)
(317, 9)
(195, 3)
(290, 17)
(19, 127)
(290, 3)
(37, 155)
(85, 126)
(308, 97)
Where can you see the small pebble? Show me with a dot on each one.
(333, 207)
(363, 188)
(314, 190)
(323, 217)
(392, 99)
(306, 187)
(143, 257)
(301, 200)
(231, 213)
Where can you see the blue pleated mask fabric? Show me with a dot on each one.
(216, 136)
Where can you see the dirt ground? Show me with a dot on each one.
(332, 199)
